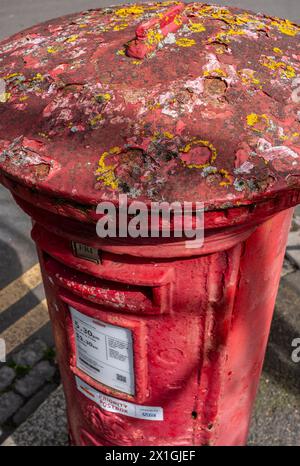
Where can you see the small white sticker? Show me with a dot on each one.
(104, 352)
(83, 251)
(114, 405)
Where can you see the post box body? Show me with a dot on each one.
(199, 327)
(157, 343)
(198, 358)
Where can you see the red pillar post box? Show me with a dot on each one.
(158, 343)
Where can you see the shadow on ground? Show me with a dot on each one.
(276, 419)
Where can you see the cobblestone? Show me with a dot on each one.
(32, 405)
(30, 354)
(10, 402)
(36, 378)
(7, 375)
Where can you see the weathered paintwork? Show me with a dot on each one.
(206, 115)
(168, 102)
(200, 328)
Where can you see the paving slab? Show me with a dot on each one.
(25, 382)
(35, 379)
(9, 404)
(7, 375)
(293, 247)
(32, 405)
(46, 427)
(276, 419)
(288, 267)
(30, 354)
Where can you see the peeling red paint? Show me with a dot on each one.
(222, 75)
(206, 114)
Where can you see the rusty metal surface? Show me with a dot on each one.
(207, 114)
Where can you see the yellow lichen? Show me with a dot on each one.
(53, 49)
(120, 27)
(200, 142)
(277, 50)
(95, 120)
(44, 135)
(154, 37)
(4, 97)
(223, 14)
(23, 98)
(235, 32)
(105, 172)
(121, 52)
(224, 36)
(205, 9)
(284, 138)
(38, 77)
(286, 71)
(290, 137)
(154, 106)
(165, 3)
(103, 97)
(286, 27)
(220, 49)
(248, 77)
(72, 38)
(185, 42)
(217, 72)
(289, 72)
(178, 20)
(115, 150)
(11, 76)
(135, 10)
(226, 16)
(254, 120)
(168, 135)
(220, 38)
(197, 27)
(227, 177)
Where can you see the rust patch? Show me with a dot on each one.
(41, 171)
(215, 87)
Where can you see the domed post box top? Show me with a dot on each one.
(161, 101)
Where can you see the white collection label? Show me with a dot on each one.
(104, 352)
(114, 405)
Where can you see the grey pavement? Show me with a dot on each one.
(26, 379)
(276, 420)
(46, 427)
(276, 417)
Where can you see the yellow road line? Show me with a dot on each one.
(23, 328)
(20, 287)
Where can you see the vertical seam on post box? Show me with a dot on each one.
(202, 327)
(233, 255)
